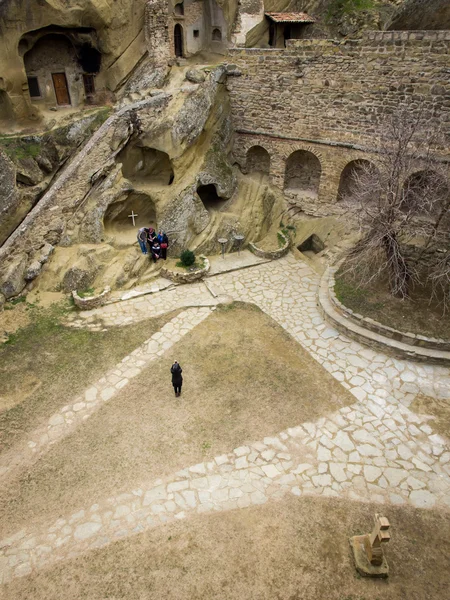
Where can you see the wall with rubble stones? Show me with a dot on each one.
(330, 98)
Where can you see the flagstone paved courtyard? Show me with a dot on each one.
(377, 450)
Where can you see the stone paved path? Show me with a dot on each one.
(375, 450)
(79, 410)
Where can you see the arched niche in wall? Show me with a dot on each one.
(179, 9)
(216, 35)
(258, 160)
(146, 166)
(119, 225)
(302, 174)
(358, 181)
(424, 192)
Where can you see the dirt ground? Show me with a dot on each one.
(415, 314)
(294, 549)
(44, 363)
(244, 378)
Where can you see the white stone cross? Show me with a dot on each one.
(132, 216)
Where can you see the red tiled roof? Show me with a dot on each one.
(290, 17)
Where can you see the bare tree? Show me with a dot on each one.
(401, 205)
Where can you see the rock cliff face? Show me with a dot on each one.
(421, 14)
(166, 160)
(29, 163)
(114, 28)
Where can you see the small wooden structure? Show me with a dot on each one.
(368, 549)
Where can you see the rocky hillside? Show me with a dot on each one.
(421, 14)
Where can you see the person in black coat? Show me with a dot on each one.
(177, 379)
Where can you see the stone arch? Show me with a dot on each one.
(146, 165)
(178, 40)
(425, 188)
(351, 174)
(216, 35)
(302, 173)
(258, 160)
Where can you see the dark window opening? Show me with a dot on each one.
(312, 244)
(272, 39)
(89, 84)
(33, 87)
(209, 196)
(196, 33)
(179, 9)
(90, 59)
(216, 35)
(287, 33)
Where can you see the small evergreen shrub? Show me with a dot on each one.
(187, 258)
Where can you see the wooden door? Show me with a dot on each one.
(61, 88)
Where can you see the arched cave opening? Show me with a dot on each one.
(147, 166)
(118, 223)
(210, 198)
(302, 175)
(90, 59)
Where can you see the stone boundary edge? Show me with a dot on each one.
(186, 277)
(274, 254)
(358, 331)
(412, 339)
(91, 302)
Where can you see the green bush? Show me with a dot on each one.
(187, 258)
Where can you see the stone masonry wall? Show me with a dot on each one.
(330, 97)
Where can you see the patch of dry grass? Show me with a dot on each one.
(294, 549)
(244, 378)
(45, 364)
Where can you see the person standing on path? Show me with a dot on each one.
(142, 239)
(164, 245)
(177, 379)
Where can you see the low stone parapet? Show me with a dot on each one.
(187, 276)
(90, 302)
(412, 339)
(271, 254)
(356, 328)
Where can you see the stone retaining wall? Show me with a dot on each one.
(186, 277)
(412, 339)
(271, 254)
(91, 302)
(330, 98)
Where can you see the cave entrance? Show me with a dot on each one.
(210, 198)
(119, 225)
(311, 246)
(146, 165)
